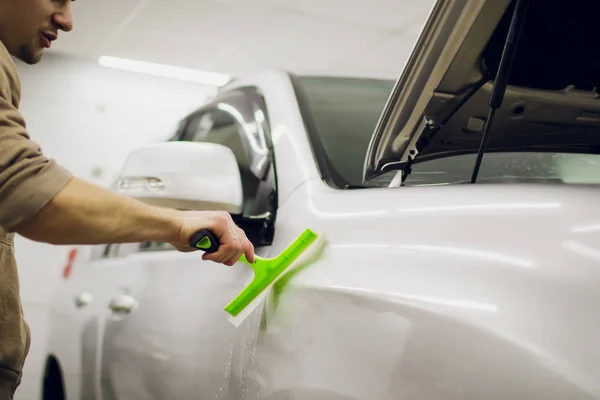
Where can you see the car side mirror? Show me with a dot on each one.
(183, 175)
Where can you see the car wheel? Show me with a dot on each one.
(53, 388)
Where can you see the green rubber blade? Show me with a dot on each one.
(267, 270)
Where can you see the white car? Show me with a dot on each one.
(443, 278)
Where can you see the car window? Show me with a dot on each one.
(103, 251)
(509, 167)
(147, 247)
(97, 252)
(343, 113)
(222, 127)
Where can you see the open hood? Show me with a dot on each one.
(440, 104)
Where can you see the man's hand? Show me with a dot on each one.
(233, 240)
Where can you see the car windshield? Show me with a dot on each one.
(341, 114)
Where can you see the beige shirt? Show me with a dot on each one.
(28, 181)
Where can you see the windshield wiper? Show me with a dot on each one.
(501, 79)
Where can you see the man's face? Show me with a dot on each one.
(27, 27)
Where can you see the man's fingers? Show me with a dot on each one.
(249, 251)
(225, 257)
(245, 246)
(230, 262)
(228, 254)
(233, 240)
(218, 257)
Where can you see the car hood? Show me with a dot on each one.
(439, 105)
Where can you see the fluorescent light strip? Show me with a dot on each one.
(165, 71)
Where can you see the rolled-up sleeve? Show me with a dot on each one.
(28, 179)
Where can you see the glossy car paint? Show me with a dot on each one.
(453, 292)
(465, 292)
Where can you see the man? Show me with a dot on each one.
(42, 201)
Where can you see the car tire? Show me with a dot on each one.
(53, 388)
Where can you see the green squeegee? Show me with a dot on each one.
(266, 270)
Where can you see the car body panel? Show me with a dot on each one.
(432, 299)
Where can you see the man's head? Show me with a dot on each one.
(28, 26)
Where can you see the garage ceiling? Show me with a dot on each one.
(349, 37)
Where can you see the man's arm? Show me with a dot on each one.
(83, 213)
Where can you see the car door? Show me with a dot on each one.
(77, 314)
(167, 335)
(108, 275)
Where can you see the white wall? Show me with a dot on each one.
(86, 117)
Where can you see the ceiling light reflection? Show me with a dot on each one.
(487, 255)
(491, 207)
(586, 228)
(460, 303)
(249, 129)
(582, 249)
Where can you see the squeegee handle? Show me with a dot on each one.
(205, 240)
(208, 242)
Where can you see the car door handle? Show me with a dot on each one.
(83, 300)
(122, 303)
